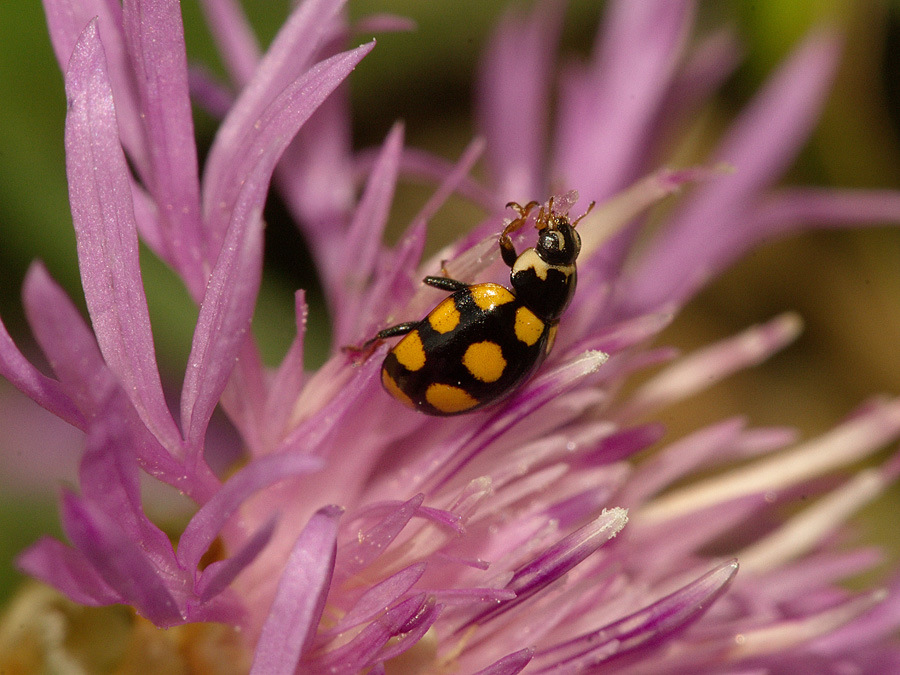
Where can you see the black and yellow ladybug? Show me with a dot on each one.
(483, 341)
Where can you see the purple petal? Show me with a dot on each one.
(67, 342)
(288, 381)
(371, 544)
(517, 68)
(224, 322)
(277, 96)
(796, 209)
(364, 648)
(68, 570)
(533, 396)
(262, 139)
(644, 628)
(120, 561)
(700, 370)
(843, 445)
(414, 630)
(364, 236)
(72, 350)
(710, 230)
(43, 390)
(110, 481)
(205, 525)
(238, 46)
(294, 615)
(375, 599)
(66, 20)
(557, 560)
(607, 114)
(102, 212)
(509, 665)
(220, 573)
(155, 38)
(681, 458)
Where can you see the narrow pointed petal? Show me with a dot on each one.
(261, 139)
(644, 628)
(795, 209)
(372, 543)
(66, 20)
(706, 366)
(710, 230)
(290, 53)
(558, 559)
(223, 325)
(155, 38)
(607, 112)
(67, 342)
(806, 530)
(509, 665)
(288, 381)
(43, 390)
(300, 598)
(67, 569)
(364, 236)
(376, 598)
(517, 68)
(212, 516)
(119, 559)
(215, 578)
(847, 443)
(363, 650)
(103, 215)
(233, 33)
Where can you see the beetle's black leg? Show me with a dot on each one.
(445, 283)
(394, 331)
(507, 249)
(364, 351)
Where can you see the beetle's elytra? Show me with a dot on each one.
(483, 341)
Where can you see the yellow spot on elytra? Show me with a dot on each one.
(449, 399)
(485, 361)
(528, 326)
(409, 351)
(444, 317)
(488, 296)
(391, 386)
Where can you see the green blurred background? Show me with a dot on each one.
(846, 285)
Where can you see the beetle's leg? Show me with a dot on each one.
(507, 249)
(445, 283)
(394, 331)
(365, 350)
(589, 209)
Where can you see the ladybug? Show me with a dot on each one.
(480, 343)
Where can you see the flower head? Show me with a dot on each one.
(357, 535)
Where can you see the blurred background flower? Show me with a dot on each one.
(844, 285)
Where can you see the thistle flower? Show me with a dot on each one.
(358, 536)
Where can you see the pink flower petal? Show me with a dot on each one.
(67, 569)
(66, 20)
(103, 215)
(509, 665)
(120, 561)
(710, 230)
(517, 68)
(43, 390)
(212, 516)
(220, 573)
(292, 620)
(154, 36)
